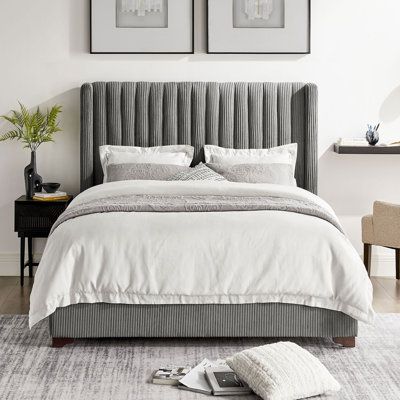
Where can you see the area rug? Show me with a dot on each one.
(30, 369)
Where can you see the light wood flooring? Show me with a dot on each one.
(15, 300)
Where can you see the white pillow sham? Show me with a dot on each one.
(286, 154)
(172, 155)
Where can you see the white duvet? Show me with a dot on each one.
(231, 257)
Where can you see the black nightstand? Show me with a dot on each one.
(34, 219)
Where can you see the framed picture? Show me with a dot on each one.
(141, 26)
(258, 26)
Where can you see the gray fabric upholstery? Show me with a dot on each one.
(239, 115)
(199, 320)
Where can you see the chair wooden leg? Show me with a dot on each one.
(367, 257)
(345, 341)
(61, 342)
(397, 263)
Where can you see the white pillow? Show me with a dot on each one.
(172, 155)
(283, 371)
(286, 154)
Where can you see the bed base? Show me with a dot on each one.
(269, 320)
(61, 342)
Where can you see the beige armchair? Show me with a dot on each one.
(382, 229)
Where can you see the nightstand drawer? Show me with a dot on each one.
(35, 216)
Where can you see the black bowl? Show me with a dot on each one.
(51, 187)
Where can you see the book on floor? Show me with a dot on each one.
(225, 382)
(169, 376)
(196, 381)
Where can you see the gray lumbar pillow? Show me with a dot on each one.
(199, 173)
(283, 371)
(152, 172)
(279, 174)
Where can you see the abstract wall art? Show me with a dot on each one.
(258, 26)
(141, 26)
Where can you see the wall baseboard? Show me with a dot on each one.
(382, 264)
(9, 264)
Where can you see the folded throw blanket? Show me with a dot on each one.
(195, 203)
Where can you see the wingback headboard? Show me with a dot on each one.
(239, 115)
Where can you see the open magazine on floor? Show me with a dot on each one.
(208, 377)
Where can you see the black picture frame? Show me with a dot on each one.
(240, 52)
(136, 52)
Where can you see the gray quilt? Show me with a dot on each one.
(197, 203)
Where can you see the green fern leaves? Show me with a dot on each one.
(34, 128)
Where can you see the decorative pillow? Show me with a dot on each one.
(279, 174)
(151, 172)
(283, 371)
(199, 173)
(286, 154)
(174, 155)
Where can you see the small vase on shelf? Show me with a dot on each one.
(33, 181)
(372, 135)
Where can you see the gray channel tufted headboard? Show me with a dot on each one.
(239, 115)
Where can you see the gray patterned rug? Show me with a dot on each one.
(30, 369)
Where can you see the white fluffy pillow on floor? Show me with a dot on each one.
(283, 371)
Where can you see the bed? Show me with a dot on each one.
(232, 115)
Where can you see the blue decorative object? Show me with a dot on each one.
(372, 135)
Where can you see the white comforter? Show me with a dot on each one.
(197, 258)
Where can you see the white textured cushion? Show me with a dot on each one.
(286, 154)
(173, 155)
(283, 371)
(199, 173)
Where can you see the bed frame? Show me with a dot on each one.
(239, 115)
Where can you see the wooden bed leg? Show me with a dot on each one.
(345, 341)
(61, 342)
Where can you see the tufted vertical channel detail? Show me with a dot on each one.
(86, 137)
(255, 113)
(99, 127)
(142, 114)
(170, 118)
(156, 113)
(185, 113)
(128, 96)
(114, 120)
(199, 93)
(212, 113)
(226, 115)
(311, 139)
(270, 115)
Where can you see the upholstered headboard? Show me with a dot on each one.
(239, 115)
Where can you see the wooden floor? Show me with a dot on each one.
(15, 300)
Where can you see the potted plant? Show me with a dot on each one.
(32, 129)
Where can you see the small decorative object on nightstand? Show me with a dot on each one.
(34, 219)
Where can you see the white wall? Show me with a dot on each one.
(355, 61)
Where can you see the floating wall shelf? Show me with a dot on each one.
(366, 149)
